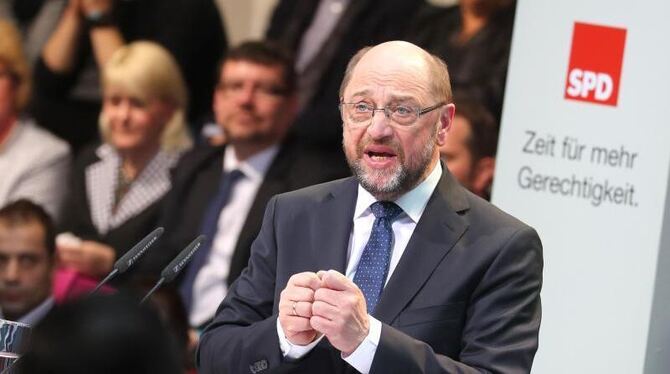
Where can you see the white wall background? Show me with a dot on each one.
(603, 282)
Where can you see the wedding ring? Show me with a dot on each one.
(295, 313)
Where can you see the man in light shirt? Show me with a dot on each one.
(396, 270)
(255, 105)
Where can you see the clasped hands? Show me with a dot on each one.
(87, 257)
(324, 303)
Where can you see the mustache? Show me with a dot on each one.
(14, 291)
(12, 288)
(391, 143)
(244, 113)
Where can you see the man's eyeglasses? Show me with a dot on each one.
(361, 113)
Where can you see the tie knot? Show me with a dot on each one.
(227, 181)
(230, 177)
(385, 209)
(234, 174)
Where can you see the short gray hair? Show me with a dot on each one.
(437, 69)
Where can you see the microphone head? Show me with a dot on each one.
(128, 259)
(179, 263)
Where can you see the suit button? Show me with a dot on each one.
(258, 366)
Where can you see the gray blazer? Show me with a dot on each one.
(464, 298)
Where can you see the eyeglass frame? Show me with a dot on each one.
(387, 113)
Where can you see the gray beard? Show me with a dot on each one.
(397, 181)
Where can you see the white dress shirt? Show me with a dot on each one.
(413, 203)
(210, 287)
(326, 17)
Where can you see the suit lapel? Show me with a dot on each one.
(439, 228)
(334, 222)
(250, 227)
(275, 182)
(101, 182)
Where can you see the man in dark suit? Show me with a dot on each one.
(324, 34)
(255, 105)
(424, 276)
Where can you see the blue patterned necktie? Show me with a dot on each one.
(374, 264)
(210, 225)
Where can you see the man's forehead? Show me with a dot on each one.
(392, 85)
(26, 238)
(240, 66)
(397, 66)
(396, 55)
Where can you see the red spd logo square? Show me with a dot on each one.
(596, 57)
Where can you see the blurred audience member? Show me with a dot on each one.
(26, 262)
(323, 36)
(35, 19)
(67, 99)
(475, 37)
(118, 186)
(172, 313)
(34, 163)
(470, 148)
(101, 334)
(222, 191)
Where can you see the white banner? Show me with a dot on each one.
(584, 157)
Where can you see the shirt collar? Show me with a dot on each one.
(36, 314)
(253, 167)
(413, 203)
(106, 152)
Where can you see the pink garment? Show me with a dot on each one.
(69, 284)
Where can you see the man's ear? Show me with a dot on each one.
(292, 105)
(290, 109)
(287, 115)
(482, 176)
(215, 96)
(446, 121)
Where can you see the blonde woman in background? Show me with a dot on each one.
(118, 186)
(33, 162)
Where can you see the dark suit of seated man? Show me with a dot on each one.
(255, 105)
(398, 270)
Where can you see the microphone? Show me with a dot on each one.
(128, 259)
(176, 265)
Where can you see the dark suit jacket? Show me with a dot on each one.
(363, 23)
(196, 180)
(464, 298)
(477, 68)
